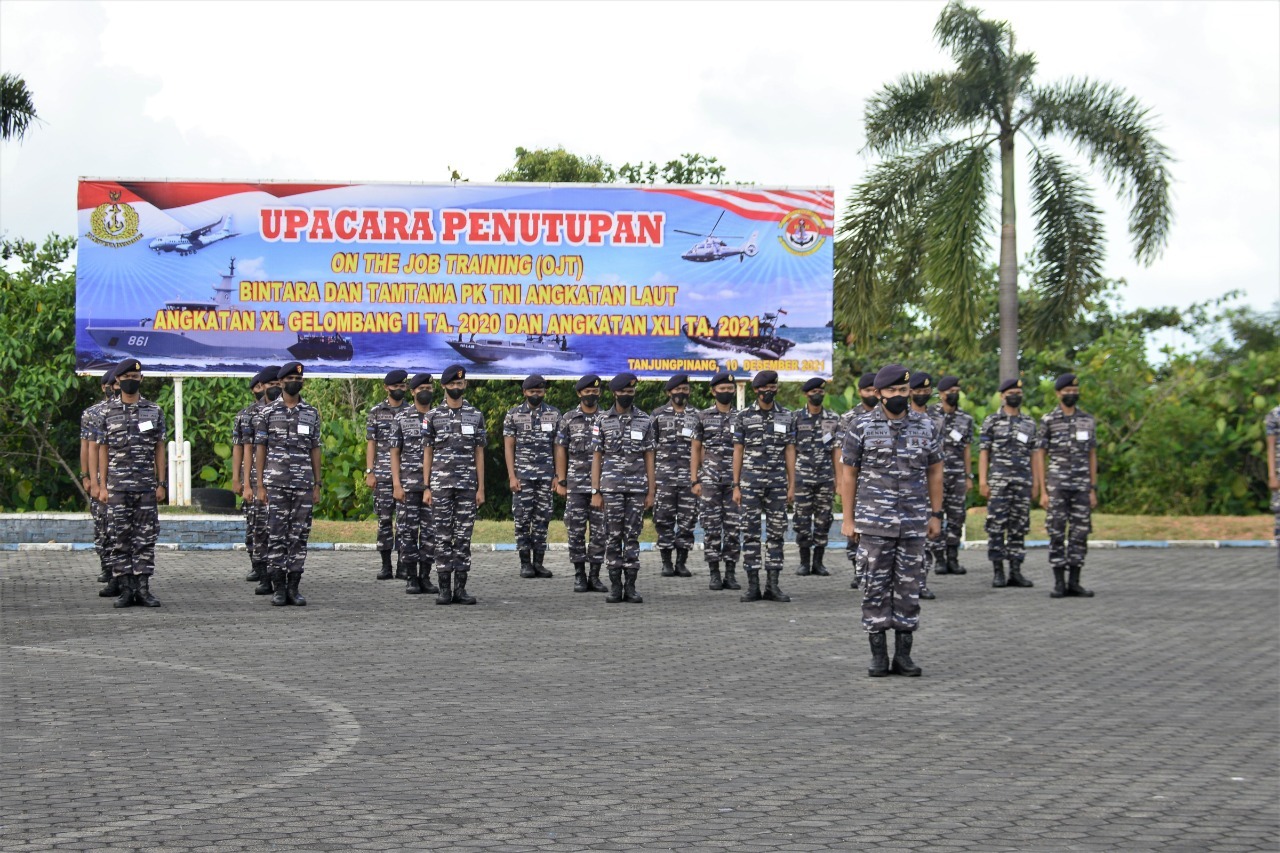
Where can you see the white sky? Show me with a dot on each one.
(402, 91)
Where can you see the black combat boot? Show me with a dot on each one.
(1059, 582)
(730, 580)
(292, 596)
(997, 579)
(142, 592)
(682, 563)
(1015, 575)
(629, 594)
(264, 586)
(124, 583)
(255, 572)
(278, 596)
(804, 562)
(925, 592)
(593, 579)
(615, 586)
(104, 576)
(940, 566)
(402, 572)
(526, 565)
(753, 586)
(539, 571)
(385, 574)
(817, 568)
(580, 577)
(1073, 584)
(902, 663)
(716, 583)
(424, 577)
(446, 588)
(668, 570)
(413, 585)
(460, 594)
(771, 590)
(953, 561)
(879, 655)
(112, 589)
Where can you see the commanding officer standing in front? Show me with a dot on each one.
(528, 437)
(867, 402)
(1005, 453)
(131, 459)
(955, 430)
(817, 458)
(622, 483)
(287, 435)
(379, 435)
(892, 490)
(413, 517)
(675, 510)
(574, 454)
(711, 471)
(1069, 487)
(453, 439)
(244, 476)
(764, 468)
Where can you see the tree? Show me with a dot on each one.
(17, 107)
(559, 165)
(917, 229)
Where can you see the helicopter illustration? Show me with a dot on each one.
(713, 248)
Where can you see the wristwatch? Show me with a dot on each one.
(595, 491)
(368, 470)
(562, 482)
(936, 514)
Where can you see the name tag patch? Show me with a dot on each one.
(468, 429)
(304, 429)
(547, 427)
(686, 432)
(145, 426)
(826, 438)
(779, 427)
(955, 435)
(1082, 435)
(637, 435)
(1023, 437)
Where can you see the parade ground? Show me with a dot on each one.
(1146, 718)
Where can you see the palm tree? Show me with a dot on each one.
(17, 108)
(916, 231)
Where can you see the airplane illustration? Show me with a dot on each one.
(190, 242)
(713, 248)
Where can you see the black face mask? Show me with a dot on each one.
(130, 386)
(679, 399)
(396, 394)
(273, 392)
(895, 405)
(766, 396)
(726, 398)
(869, 402)
(624, 400)
(455, 393)
(920, 399)
(534, 400)
(257, 395)
(953, 399)
(589, 401)
(1013, 401)
(293, 389)
(424, 397)
(1069, 400)
(816, 399)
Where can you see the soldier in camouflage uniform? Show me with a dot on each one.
(764, 468)
(817, 457)
(868, 400)
(453, 439)
(891, 486)
(528, 439)
(287, 450)
(89, 478)
(130, 443)
(955, 430)
(1069, 488)
(413, 518)
(622, 484)
(244, 476)
(380, 427)
(574, 454)
(1005, 443)
(711, 472)
(921, 387)
(675, 510)
(1272, 428)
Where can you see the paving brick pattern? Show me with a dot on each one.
(1144, 719)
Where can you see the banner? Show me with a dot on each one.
(509, 279)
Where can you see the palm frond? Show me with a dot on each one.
(917, 108)
(17, 107)
(958, 228)
(1070, 241)
(1114, 130)
(973, 41)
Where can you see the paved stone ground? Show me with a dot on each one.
(1145, 718)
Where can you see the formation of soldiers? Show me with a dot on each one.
(900, 461)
